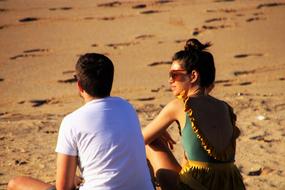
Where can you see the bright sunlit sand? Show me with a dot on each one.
(41, 40)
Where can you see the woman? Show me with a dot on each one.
(207, 128)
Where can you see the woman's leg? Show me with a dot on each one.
(164, 164)
(23, 183)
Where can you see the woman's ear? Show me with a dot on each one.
(194, 76)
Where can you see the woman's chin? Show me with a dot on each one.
(175, 93)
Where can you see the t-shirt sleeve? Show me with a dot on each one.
(66, 141)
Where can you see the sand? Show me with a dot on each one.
(41, 40)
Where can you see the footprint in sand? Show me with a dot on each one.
(38, 103)
(61, 8)
(110, 4)
(254, 19)
(70, 80)
(159, 63)
(3, 113)
(146, 99)
(258, 14)
(68, 72)
(158, 89)
(180, 41)
(21, 102)
(258, 137)
(139, 6)
(215, 19)
(107, 18)
(144, 36)
(35, 50)
(239, 15)
(89, 18)
(50, 131)
(245, 83)
(29, 19)
(155, 90)
(222, 10)
(228, 10)
(3, 10)
(197, 31)
(269, 5)
(120, 45)
(237, 73)
(65, 8)
(23, 55)
(227, 84)
(215, 27)
(224, 82)
(3, 26)
(244, 55)
(20, 162)
(256, 172)
(163, 1)
(218, 1)
(147, 109)
(149, 12)
(30, 53)
(279, 107)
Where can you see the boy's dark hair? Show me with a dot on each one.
(194, 57)
(95, 74)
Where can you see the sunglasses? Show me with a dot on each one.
(176, 74)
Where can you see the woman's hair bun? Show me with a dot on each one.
(195, 45)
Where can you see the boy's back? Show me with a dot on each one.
(105, 134)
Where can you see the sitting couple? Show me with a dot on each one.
(104, 139)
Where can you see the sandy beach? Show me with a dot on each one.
(41, 40)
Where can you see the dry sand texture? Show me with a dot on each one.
(40, 41)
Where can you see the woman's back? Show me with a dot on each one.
(213, 119)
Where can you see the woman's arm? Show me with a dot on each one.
(167, 115)
(66, 169)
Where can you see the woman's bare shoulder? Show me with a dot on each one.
(175, 104)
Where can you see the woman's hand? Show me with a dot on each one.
(167, 139)
(163, 141)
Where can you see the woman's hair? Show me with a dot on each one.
(195, 57)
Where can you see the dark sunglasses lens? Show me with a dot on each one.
(172, 75)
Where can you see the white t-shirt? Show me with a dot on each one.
(105, 134)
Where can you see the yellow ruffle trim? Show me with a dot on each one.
(204, 166)
(224, 155)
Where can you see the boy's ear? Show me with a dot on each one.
(79, 86)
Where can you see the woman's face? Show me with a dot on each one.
(178, 78)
